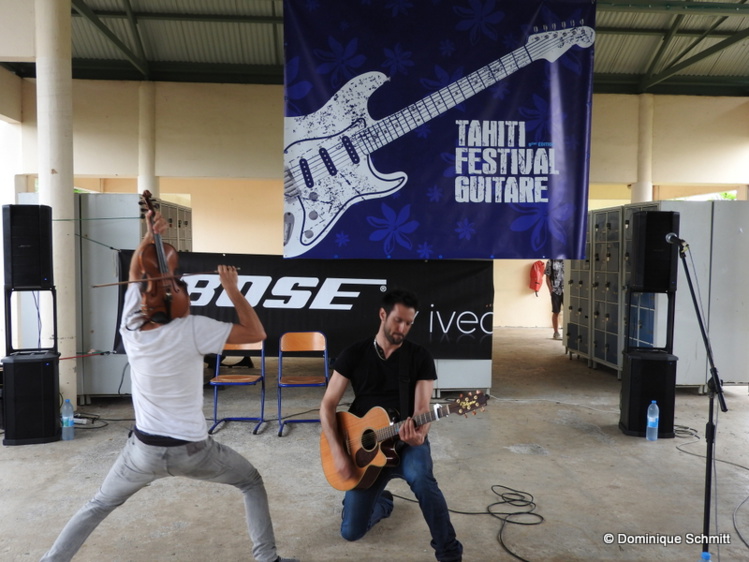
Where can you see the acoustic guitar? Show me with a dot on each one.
(370, 440)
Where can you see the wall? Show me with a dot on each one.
(220, 146)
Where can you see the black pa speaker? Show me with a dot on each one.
(648, 375)
(27, 243)
(654, 261)
(31, 390)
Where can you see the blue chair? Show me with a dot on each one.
(301, 343)
(249, 379)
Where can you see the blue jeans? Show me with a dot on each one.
(362, 509)
(139, 464)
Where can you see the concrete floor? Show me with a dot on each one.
(550, 432)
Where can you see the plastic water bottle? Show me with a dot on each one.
(651, 433)
(68, 425)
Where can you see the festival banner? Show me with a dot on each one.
(342, 298)
(437, 129)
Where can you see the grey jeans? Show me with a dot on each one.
(140, 464)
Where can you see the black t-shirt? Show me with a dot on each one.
(375, 382)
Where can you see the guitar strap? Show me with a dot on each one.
(404, 376)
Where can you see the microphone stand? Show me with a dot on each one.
(714, 387)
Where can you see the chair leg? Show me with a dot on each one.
(216, 421)
(280, 421)
(262, 407)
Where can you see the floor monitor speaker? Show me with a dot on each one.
(31, 398)
(27, 245)
(648, 375)
(654, 260)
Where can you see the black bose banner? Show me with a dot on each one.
(341, 298)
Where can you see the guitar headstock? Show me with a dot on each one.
(470, 402)
(553, 42)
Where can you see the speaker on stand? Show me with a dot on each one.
(650, 373)
(31, 396)
(27, 245)
(31, 385)
(654, 260)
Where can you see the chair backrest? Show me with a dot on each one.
(242, 350)
(255, 346)
(303, 341)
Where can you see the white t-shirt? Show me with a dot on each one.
(166, 370)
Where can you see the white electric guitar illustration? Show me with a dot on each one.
(327, 165)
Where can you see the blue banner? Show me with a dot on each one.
(437, 129)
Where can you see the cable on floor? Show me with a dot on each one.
(524, 514)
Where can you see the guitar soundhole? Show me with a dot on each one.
(368, 440)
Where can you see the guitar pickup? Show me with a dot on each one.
(325, 155)
(349, 146)
(306, 173)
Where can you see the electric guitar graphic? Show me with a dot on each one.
(327, 168)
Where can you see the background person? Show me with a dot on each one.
(554, 273)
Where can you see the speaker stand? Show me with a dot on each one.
(714, 388)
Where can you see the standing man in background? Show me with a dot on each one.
(554, 273)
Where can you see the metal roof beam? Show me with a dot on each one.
(667, 73)
(208, 73)
(710, 32)
(181, 16)
(606, 30)
(674, 7)
(136, 35)
(83, 9)
(655, 61)
(689, 86)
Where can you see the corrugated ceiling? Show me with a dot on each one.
(667, 47)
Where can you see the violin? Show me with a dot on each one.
(165, 295)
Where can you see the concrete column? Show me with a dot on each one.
(642, 189)
(147, 139)
(54, 88)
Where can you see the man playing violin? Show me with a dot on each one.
(170, 437)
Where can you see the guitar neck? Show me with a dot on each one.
(391, 431)
(406, 120)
